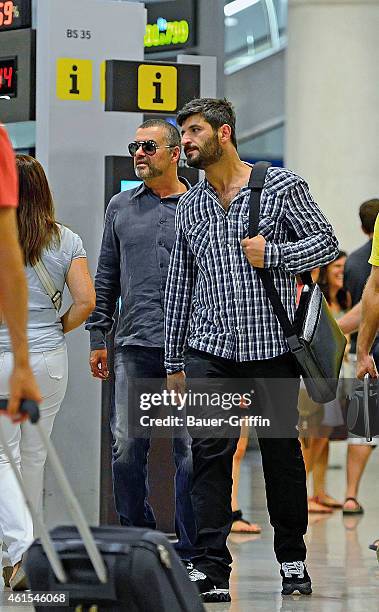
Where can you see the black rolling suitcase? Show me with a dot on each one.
(102, 568)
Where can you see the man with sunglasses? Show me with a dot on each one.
(138, 237)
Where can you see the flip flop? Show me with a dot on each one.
(237, 516)
(357, 510)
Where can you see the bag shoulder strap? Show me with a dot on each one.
(48, 284)
(256, 184)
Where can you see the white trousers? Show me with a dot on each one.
(16, 528)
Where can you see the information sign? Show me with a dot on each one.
(150, 86)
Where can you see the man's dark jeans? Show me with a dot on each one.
(282, 459)
(130, 454)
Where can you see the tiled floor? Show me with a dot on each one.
(345, 573)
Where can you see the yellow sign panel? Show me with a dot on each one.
(157, 87)
(74, 79)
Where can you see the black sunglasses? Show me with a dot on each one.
(148, 146)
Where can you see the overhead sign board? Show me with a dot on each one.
(170, 25)
(153, 87)
(15, 14)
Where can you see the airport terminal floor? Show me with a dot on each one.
(344, 571)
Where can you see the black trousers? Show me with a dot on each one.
(282, 460)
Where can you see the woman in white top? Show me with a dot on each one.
(62, 253)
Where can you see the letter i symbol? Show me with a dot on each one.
(158, 90)
(74, 81)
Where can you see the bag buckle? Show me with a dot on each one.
(57, 298)
(294, 344)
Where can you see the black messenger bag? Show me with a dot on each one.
(314, 338)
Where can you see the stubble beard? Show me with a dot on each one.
(209, 153)
(147, 172)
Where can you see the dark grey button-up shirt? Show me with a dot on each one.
(139, 233)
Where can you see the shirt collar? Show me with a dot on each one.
(141, 189)
(138, 191)
(205, 184)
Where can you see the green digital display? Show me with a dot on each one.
(170, 25)
(164, 33)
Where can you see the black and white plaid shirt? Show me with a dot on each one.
(214, 300)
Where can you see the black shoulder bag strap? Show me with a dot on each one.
(256, 183)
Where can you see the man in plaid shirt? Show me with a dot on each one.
(220, 324)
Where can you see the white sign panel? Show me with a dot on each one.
(73, 135)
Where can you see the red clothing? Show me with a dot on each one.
(8, 172)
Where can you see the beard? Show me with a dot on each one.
(207, 154)
(147, 172)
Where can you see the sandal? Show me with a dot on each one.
(237, 516)
(18, 581)
(357, 510)
(7, 573)
(328, 501)
(315, 507)
(374, 546)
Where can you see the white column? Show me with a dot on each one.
(73, 136)
(332, 106)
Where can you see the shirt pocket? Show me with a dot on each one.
(199, 239)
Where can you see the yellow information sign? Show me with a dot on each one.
(157, 87)
(74, 79)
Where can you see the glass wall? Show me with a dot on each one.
(253, 30)
(268, 146)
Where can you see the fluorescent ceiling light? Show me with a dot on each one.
(238, 5)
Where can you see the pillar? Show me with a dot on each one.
(332, 102)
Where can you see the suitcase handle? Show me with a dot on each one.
(45, 538)
(73, 505)
(26, 406)
(366, 414)
(68, 546)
